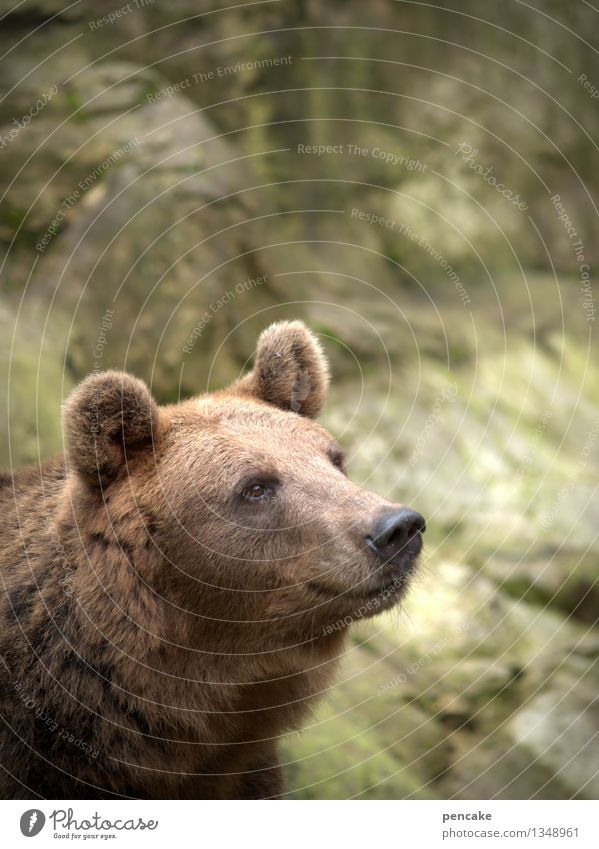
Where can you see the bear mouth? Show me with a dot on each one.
(394, 574)
(391, 590)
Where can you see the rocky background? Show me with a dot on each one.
(176, 175)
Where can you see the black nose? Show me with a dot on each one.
(397, 532)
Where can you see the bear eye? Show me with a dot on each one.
(337, 457)
(255, 492)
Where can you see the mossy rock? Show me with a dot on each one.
(333, 758)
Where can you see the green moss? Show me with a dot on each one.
(147, 94)
(336, 758)
(12, 219)
(74, 104)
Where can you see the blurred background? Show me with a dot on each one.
(418, 182)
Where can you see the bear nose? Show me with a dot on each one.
(394, 531)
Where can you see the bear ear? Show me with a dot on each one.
(106, 416)
(291, 370)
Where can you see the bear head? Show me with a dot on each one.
(240, 497)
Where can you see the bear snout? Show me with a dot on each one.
(396, 537)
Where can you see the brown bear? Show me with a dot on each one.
(178, 585)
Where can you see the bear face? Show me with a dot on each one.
(253, 519)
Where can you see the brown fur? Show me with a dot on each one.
(171, 627)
